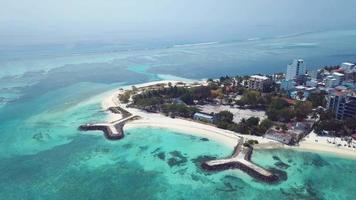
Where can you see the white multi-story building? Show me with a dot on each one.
(257, 82)
(330, 82)
(334, 80)
(339, 77)
(295, 69)
(347, 66)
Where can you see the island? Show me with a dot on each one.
(241, 112)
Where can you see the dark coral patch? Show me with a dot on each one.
(276, 158)
(200, 160)
(127, 146)
(161, 155)
(282, 175)
(281, 165)
(177, 159)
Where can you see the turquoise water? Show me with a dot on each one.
(161, 164)
(44, 156)
(43, 100)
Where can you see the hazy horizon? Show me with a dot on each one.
(50, 22)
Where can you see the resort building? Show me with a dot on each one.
(342, 103)
(296, 131)
(257, 82)
(204, 117)
(279, 136)
(295, 69)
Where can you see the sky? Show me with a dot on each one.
(55, 21)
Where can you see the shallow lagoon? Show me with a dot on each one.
(161, 164)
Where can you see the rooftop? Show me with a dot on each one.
(338, 74)
(204, 115)
(348, 63)
(259, 77)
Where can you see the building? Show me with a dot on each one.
(279, 136)
(257, 82)
(312, 83)
(335, 79)
(302, 93)
(339, 77)
(287, 85)
(330, 82)
(342, 102)
(315, 74)
(347, 66)
(295, 69)
(204, 117)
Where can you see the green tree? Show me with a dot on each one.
(251, 98)
(264, 126)
(125, 97)
(187, 98)
(302, 109)
(252, 121)
(225, 116)
(317, 99)
(279, 110)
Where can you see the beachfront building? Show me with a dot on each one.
(204, 117)
(342, 103)
(279, 136)
(257, 82)
(295, 69)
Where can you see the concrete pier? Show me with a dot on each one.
(241, 159)
(113, 130)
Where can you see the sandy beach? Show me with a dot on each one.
(312, 143)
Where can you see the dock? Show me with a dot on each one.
(112, 130)
(241, 159)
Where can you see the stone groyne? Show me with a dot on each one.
(112, 130)
(241, 159)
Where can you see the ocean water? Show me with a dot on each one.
(46, 95)
(161, 164)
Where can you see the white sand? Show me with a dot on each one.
(317, 143)
(224, 137)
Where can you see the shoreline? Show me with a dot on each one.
(224, 137)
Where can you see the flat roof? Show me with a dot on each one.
(204, 115)
(300, 87)
(348, 63)
(338, 74)
(259, 77)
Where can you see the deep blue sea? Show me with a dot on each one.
(46, 92)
